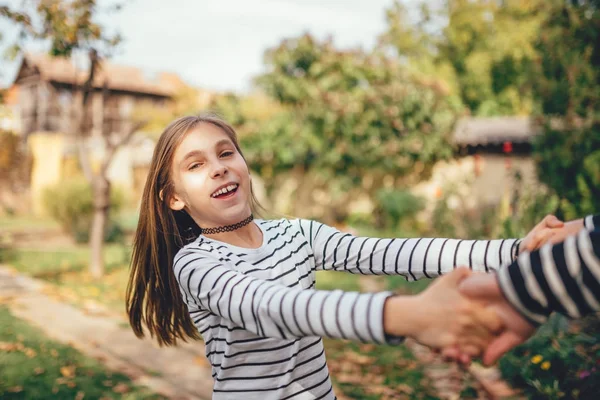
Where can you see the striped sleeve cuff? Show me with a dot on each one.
(521, 290)
(592, 222)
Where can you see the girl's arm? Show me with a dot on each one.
(412, 258)
(268, 309)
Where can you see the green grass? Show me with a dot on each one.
(365, 371)
(18, 223)
(34, 367)
(67, 269)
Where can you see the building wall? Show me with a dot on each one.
(480, 180)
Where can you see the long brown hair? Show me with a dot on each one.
(153, 298)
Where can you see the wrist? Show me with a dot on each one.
(402, 315)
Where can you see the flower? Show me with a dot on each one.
(545, 365)
(584, 374)
(537, 359)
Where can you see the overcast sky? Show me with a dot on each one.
(219, 44)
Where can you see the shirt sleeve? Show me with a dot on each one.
(269, 309)
(412, 258)
(563, 278)
(592, 222)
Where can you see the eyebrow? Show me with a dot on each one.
(197, 153)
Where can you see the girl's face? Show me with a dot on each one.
(211, 178)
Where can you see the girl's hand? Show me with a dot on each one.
(541, 233)
(441, 317)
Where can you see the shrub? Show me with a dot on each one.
(70, 203)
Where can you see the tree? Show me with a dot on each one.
(567, 83)
(482, 49)
(69, 26)
(346, 121)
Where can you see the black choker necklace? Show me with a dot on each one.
(227, 228)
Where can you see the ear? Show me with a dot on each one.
(175, 202)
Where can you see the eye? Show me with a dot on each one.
(194, 166)
(227, 153)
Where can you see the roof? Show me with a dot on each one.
(471, 131)
(132, 79)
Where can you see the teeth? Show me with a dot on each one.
(224, 190)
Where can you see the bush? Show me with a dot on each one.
(70, 204)
(559, 362)
(397, 210)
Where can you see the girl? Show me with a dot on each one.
(203, 266)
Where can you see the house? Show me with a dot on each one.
(491, 151)
(49, 99)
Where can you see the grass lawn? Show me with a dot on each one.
(35, 367)
(18, 223)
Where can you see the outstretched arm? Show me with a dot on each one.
(413, 258)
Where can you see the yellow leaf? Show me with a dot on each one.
(121, 388)
(39, 371)
(30, 353)
(54, 353)
(67, 371)
(15, 389)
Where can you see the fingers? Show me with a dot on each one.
(505, 342)
(550, 221)
(539, 239)
(456, 276)
(481, 287)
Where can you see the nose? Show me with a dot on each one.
(219, 171)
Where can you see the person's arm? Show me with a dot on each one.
(269, 309)
(412, 258)
(573, 227)
(563, 278)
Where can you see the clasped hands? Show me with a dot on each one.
(465, 314)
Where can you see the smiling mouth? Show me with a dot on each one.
(225, 192)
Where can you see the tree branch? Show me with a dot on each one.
(84, 159)
(112, 147)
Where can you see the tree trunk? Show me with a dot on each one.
(101, 190)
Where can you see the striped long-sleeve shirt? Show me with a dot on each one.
(261, 318)
(563, 278)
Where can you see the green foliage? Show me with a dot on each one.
(397, 209)
(68, 26)
(530, 205)
(473, 46)
(559, 362)
(343, 115)
(34, 367)
(70, 203)
(569, 163)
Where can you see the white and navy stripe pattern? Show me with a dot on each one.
(262, 320)
(563, 278)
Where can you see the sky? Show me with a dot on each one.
(219, 45)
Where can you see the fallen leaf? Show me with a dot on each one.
(80, 395)
(39, 371)
(359, 359)
(5, 346)
(68, 371)
(30, 353)
(71, 384)
(54, 353)
(55, 389)
(404, 388)
(121, 388)
(107, 383)
(15, 389)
